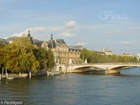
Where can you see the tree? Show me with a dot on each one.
(2, 52)
(84, 54)
(2, 45)
(93, 57)
(40, 54)
(28, 62)
(22, 47)
(50, 59)
(134, 59)
(12, 62)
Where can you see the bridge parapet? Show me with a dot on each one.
(104, 66)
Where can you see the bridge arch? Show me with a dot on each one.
(119, 67)
(82, 67)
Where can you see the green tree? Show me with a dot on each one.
(2, 52)
(50, 59)
(134, 59)
(2, 45)
(22, 47)
(28, 62)
(85, 53)
(12, 62)
(40, 54)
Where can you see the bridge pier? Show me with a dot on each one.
(114, 71)
(107, 71)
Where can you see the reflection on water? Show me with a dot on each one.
(75, 89)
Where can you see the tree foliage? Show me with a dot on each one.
(2, 45)
(18, 56)
(93, 57)
(40, 54)
(84, 54)
(21, 55)
(50, 59)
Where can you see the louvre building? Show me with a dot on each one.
(62, 52)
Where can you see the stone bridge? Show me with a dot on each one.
(106, 67)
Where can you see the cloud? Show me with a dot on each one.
(125, 43)
(35, 30)
(41, 37)
(71, 30)
(21, 33)
(83, 43)
(65, 34)
(56, 29)
(70, 24)
(38, 30)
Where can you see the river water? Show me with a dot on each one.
(75, 89)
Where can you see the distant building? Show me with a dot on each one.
(138, 56)
(107, 51)
(4, 41)
(62, 52)
(104, 52)
(100, 52)
(127, 54)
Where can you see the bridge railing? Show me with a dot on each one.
(108, 64)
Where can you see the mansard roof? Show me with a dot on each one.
(37, 42)
(13, 38)
(60, 42)
(56, 42)
(100, 52)
(4, 41)
(79, 47)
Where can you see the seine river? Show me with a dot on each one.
(75, 89)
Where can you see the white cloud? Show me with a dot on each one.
(56, 29)
(32, 30)
(70, 24)
(65, 34)
(125, 42)
(21, 33)
(83, 43)
(41, 37)
(38, 30)
(71, 30)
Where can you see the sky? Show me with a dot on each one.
(94, 24)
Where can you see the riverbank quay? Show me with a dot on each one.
(24, 75)
(53, 73)
(20, 75)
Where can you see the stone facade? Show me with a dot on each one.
(127, 54)
(63, 53)
(107, 51)
(104, 52)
